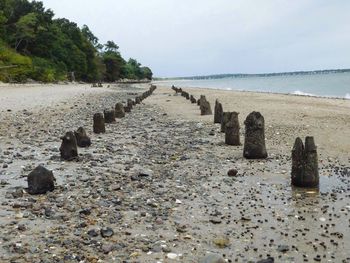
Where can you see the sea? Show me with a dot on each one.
(335, 85)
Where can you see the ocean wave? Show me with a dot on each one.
(301, 93)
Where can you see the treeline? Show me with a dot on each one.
(34, 45)
(243, 75)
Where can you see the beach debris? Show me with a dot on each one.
(305, 163)
(82, 139)
(40, 181)
(218, 110)
(109, 116)
(212, 258)
(205, 106)
(119, 110)
(232, 130)
(99, 123)
(69, 147)
(254, 143)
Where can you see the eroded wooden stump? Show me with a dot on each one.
(218, 110)
(119, 110)
(99, 123)
(192, 99)
(205, 106)
(254, 142)
(109, 116)
(305, 163)
(82, 139)
(232, 130)
(225, 118)
(69, 147)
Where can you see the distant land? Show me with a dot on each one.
(243, 75)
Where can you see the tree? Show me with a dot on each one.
(25, 30)
(110, 46)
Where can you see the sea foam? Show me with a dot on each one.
(301, 93)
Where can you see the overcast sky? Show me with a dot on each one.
(199, 37)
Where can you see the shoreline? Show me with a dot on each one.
(346, 96)
(184, 205)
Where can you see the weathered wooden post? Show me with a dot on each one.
(69, 149)
(225, 118)
(232, 130)
(119, 110)
(82, 139)
(109, 116)
(305, 163)
(218, 112)
(40, 181)
(99, 123)
(205, 106)
(254, 143)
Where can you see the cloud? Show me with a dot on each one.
(188, 37)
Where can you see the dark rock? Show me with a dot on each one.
(40, 181)
(99, 123)
(232, 172)
(82, 139)
(107, 232)
(212, 258)
(254, 143)
(268, 260)
(218, 111)
(232, 130)
(109, 116)
(69, 148)
(283, 248)
(305, 163)
(92, 233)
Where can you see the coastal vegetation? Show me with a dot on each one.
(35, 45)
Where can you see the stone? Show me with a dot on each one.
(40, 181)
(267, 260)
(283, 248)
(107, 232)
(109, 116)
(305, 163)
(218, 110)
(212, 258)
(232, 130)
(99, 123)
(119, 110)
(69, 147)
(82, 139)
(221, 242)
(232, 172)
(254, 142)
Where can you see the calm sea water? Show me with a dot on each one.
(326, 85)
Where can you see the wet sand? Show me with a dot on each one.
(184, 205)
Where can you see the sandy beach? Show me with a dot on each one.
(184, 207)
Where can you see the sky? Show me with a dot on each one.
(202, 37)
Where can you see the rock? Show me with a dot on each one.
(40, 181)
(119, 110)
(232, 130)
(268, 260)
(69, 148)
(82, 139)
(99, 123)
(107, 232)
(221, 242)
(305, 163)
(92, 233)
(212, 258)
(218, 111)
(283, 248)
(109, 116)
(232, 172)
(254, 143)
